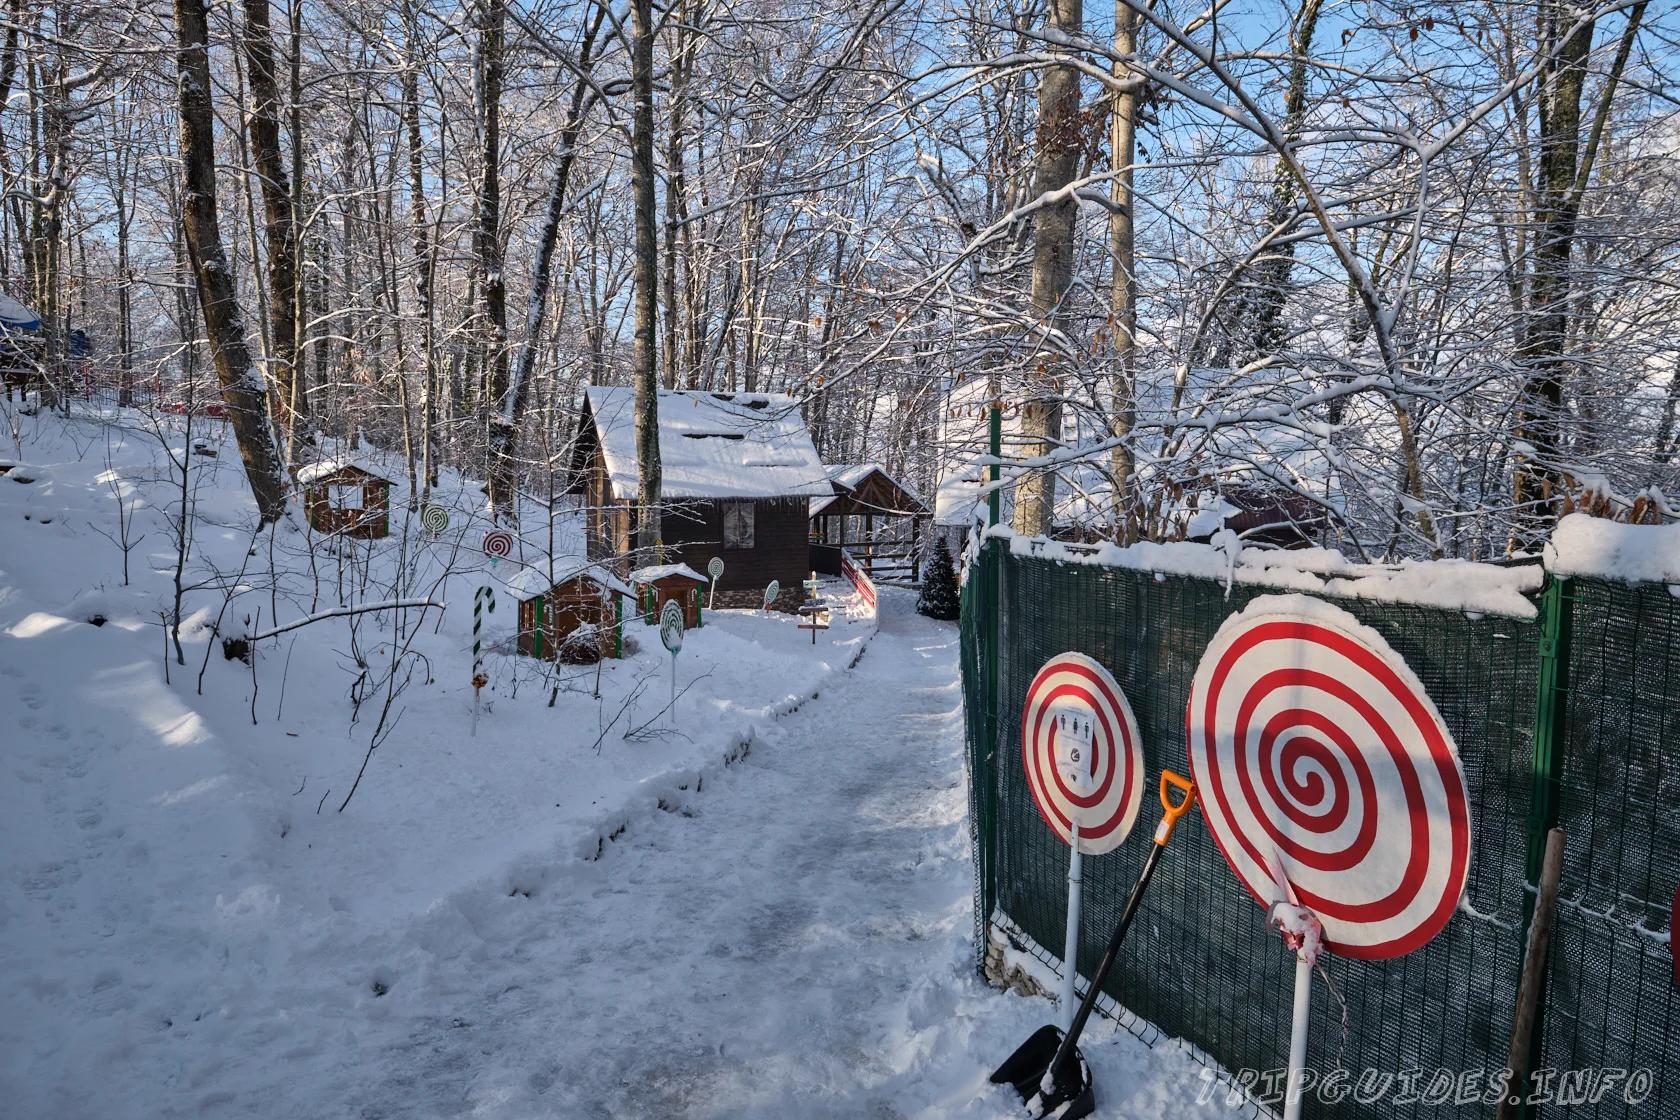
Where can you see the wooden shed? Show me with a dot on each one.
(738, 471)
(874, 515)
(552, 610)
(659, 584)
(346, 496)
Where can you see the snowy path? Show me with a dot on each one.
(793, 943)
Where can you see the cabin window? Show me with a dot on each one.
(738, 524)
(347, 497)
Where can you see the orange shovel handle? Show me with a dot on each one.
(1169, 819)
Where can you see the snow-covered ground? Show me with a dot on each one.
(767, 915)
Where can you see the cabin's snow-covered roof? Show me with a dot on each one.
(659, 571)
(324, 468)
(528, 583)
(712, 445)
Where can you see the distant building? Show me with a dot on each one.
(739, 472)
(347, 496)
(1264, 515)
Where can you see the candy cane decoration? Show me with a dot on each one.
(1331, 786)
(482, 598)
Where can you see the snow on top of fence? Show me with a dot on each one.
(1595, 546)
(1448, 584)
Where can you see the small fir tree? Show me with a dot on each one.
(940, 598)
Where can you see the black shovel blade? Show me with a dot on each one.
(1069, 1098)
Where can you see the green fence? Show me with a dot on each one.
(1560, 720)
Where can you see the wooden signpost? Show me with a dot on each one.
(814, 611)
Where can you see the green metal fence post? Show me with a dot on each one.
(1551, 694)
(992, 565)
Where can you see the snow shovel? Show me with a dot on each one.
(1048, 1070)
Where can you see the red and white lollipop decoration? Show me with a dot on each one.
(1084, 761)
(1316, 748)
(1082, 752)
(1330, 784)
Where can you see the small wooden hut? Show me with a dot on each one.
(551, 611)
(663, 583)
(346, 496)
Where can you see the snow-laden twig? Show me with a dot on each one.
(341, 612)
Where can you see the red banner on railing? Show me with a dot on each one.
(860, 579)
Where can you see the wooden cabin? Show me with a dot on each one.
(873, 515)
(551, 611)
(738, 470)
(346, 496)
(659, 584)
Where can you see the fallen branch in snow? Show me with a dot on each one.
(231, 647)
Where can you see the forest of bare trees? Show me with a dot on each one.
(1412, 266)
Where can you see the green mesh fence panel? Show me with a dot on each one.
(1611, 1001)
(1200, 963)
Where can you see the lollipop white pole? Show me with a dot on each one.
(1302, 933)
(1070, 950)
(1298, 1036)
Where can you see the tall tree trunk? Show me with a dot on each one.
(1060, 143)
(1123, 296)
(281, 237)
(488, 236)
(510, 410)
(425, 261)
(645, 354)
(1563, 174)
(242, 386)
(298, 402)
(676, 189)
(1272, 290)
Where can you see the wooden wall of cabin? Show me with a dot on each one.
(564, 609)
(371, 522)
(693, 534)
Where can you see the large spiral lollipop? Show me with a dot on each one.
(1317, 751)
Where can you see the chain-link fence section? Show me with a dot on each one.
(1425, 1034)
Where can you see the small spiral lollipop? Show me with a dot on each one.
(434, 519)
(498, 544)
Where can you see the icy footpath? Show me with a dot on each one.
(790, 941)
